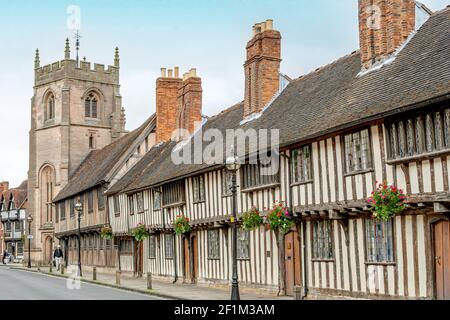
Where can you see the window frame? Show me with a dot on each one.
(62, 210)
(418, 129)
(239, 244)
(370, 162)
(213, 255)
(318, 253)
(116, 205)
(130, 203)
(100, 199)
(368, 259)
(168, 256)
(296, 176)
(152, 246)
(93, 100)
(140, 202)
(226, 176)
(198, 189)
(90, 201)
(157, 205)
(252, 179)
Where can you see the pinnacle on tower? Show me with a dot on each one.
(67, 50)
(116, 58)
(37, 62)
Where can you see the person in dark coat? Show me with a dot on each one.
(58, 256)
(5, 255)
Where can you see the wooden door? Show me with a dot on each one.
(187, 261)
(292, 262)
(442, 259)
(194, 248)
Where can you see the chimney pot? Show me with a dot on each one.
(269, 24)
(177, 72)
(163, 72)
(170, 73)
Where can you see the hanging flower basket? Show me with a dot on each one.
(279, 218)
(387, 201)
(251, 219)
(181, 225)
(140, 233)
(106, 233)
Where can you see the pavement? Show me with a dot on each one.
(160, 289)
(17, 284)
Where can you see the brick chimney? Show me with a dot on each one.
(262, 68)
(4, 186)
(189, 113)
(167, 87)
(384, 25)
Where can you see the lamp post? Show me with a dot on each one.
(79, 209)
(232, 164)
(29, 220)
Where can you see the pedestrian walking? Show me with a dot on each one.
(58, 256)
(4, 257)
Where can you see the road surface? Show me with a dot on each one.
(23, 285)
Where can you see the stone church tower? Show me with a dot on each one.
(74, 110)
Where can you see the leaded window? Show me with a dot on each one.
(301, 164)
(156, 199)
(322, 243)
(257, 175)
(421, 134)
(213, 244)
(72, 207)
(131, 204)
(226, 183)
(379, 241)
(100, 199)
(140, 202)
(152, 247)
(357, 151)
(199, 188)
(116, 205)
(90, 106)
(243, 244)
(90, 201)
(168, 245)
(62, 210)
(173, 194)
(8, 226)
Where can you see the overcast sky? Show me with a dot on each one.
(209, 35)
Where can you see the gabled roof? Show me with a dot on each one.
(93, 171)
(334, 97)
(153, 155)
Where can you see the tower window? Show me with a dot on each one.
(50, 108)
(90, 106)
(91, 142)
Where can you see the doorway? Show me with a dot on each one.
(442, 259)
(190, 259)
(292, 262)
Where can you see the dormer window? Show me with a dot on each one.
(50, 108)
(90, 106)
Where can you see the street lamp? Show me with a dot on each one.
(232, 164)
(29, 220)
(79, 209)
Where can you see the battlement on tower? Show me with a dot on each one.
(69, 69)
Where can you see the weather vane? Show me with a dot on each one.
(77, 44)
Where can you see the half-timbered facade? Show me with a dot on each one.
(343, 129)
